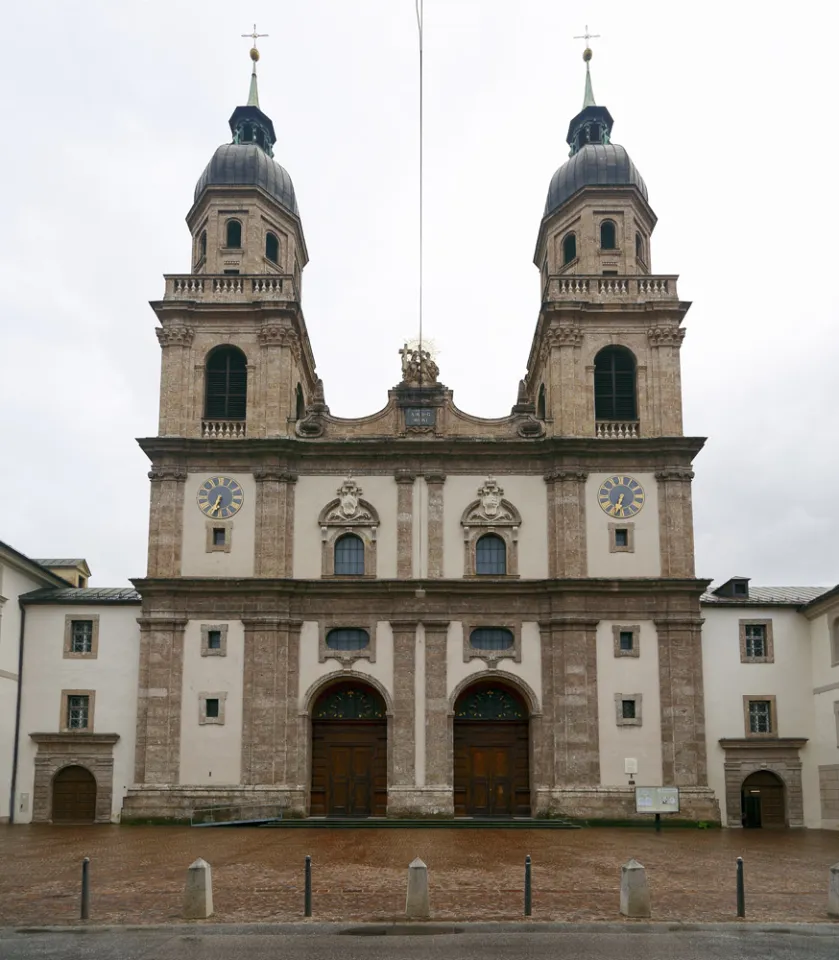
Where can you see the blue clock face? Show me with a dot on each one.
(621, 496)
(220, 497)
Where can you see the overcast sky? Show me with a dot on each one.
(112, 110)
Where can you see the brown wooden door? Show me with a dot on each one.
(763, 800)
(74, 796)
(349, 768)
(491, 769)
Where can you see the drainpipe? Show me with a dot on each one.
(17, 713)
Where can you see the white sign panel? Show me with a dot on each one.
(656, 799)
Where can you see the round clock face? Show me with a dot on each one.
(220, 497)
(621, 496)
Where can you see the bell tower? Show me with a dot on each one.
(605, 356)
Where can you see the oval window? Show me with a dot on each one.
(492, 638)
(348, 639)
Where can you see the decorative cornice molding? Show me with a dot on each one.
(175, 335)
(662, 336)
(162, 623)
(683, 474)
(566, 335)
(157, 474)
(269, 474)
(278, 335)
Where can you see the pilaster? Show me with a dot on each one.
(274, 522)
(404, 523)
(175, 341)
(567, 552)
(435, 483)
(279, 358)
(159, 696)
(438, 741)
(683, 751)
(166, 521)
(403, 727)
(675, 522)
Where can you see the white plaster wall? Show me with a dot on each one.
(527, 494)
(824, 672)
(825, 678)
(645, 561)
(727, 681)
(311, 671)
(112, 675)
(312, 494)
(211, 753)
(629, 675)
(529, 670)
(239, 562)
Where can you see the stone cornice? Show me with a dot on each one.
(75, 736)
(763, 743)
(162, 623)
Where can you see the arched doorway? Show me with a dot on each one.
(349, 752)
(74, 796)
(763, 801)
(491, 753)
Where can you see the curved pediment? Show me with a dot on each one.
(490, 509)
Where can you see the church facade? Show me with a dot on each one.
(422, 612)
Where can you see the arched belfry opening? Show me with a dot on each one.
(763, 800)
(226, 384)
(614, 385)
(349, 752)
(491, 752)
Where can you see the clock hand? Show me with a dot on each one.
(619, 504)
(216, 505)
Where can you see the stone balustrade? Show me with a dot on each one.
(223, 430)
(628, 289)
(617, 429)
(229, 287)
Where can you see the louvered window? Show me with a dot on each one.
(569, 248)
(491, 555)
(227, 385)
(614, 385)
(234, 233)
(608, 239)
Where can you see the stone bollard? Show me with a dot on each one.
(417, 904)
(635, 894)
(833, 892)
(198, 892)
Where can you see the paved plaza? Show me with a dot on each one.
(360, 875)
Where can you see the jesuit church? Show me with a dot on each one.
(419, 612)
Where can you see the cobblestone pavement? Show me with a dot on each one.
(137, 873)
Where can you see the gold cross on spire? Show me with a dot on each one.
(583, 36)
(255, 36)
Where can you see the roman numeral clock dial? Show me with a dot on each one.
(219, 498)
(621, 497)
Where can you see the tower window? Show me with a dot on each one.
(300, 403)
(614, 385)
(202, 245)
(233, 233)
(541, 405)
(349, 556)
(569, 248)
(272, 247)
(491, 556)
(608, 235)
(247, 133)
(594, 133)
(639, 247)
(260, 136)
(226, 389)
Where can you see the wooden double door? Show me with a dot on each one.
(349, 768)
(763, 800)
(74, 796)
(491, 768)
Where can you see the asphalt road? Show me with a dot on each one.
(446, 942)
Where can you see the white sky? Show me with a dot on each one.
(112, 110)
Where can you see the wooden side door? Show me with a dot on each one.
(349, 769)
(74, 796)
(491, 770)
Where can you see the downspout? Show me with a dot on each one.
(17, 713)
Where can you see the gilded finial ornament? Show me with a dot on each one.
(255, 54)
(587, 54)
(255, 36)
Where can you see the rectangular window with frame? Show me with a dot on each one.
(621, 537)
(628, 709)
(755, 640)
(81, 636)
(757, 644)
(626, 640)
(214, 639)
(78, 712)
(219, 536)
(212, 708)
(761, 720)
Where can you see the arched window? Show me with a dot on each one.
(234, 233)
(608, 236)
(247, 133)
(272, 247)
(569, 248)
(349, 556)
(491, 555)
(348, 638)
(639, 247)
(299, 403)
(541, 405)
(492, 638)
(226, 384)
(594, 133)
(202, 245)
(614, 385)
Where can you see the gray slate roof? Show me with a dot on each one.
(791, 596)
(59, 563)
(83, 595)
(596, 164)
(245, 165)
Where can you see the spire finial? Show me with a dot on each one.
(253, 93)
(588, 96)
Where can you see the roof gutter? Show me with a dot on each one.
(15, 747)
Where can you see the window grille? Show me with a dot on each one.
(349, 556)
(82, 638)
(755, 640)
(492, 638)
(491, 555)
(760, 716)
(78, 712)
(348, 638)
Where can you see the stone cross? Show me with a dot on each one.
(635, 894)
(417, 904)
